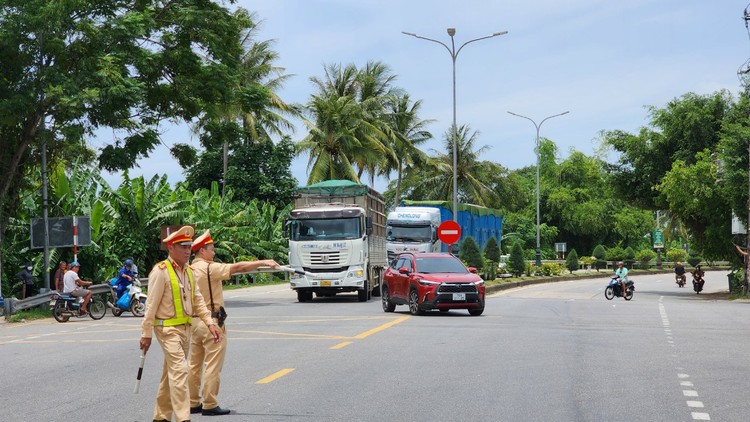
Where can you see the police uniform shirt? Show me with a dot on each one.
(160, 303)
(219, 273)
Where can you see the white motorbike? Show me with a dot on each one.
(136, 304)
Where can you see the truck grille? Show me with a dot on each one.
(457, 288)
(324, 258)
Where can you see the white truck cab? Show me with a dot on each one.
(412, 229)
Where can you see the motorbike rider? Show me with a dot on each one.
(622, 275)
(76, 287)
(125, 277)
(679, 272)
(698, 274)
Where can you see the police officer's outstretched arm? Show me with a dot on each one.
(247, 266)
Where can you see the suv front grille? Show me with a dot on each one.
(457, 288)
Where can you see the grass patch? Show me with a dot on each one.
(28, 315)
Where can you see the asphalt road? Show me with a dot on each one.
(550, 352)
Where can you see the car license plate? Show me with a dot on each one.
(459, 296)
(325, 283)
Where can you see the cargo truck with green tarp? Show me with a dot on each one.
(336, 232)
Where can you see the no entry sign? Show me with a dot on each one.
(449, 232)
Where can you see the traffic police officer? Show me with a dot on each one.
(204, 351)
(173, 298)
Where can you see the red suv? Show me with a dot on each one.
(432, 281)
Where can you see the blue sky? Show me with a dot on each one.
(604, 61)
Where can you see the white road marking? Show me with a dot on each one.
(689, 393)
(681, 375)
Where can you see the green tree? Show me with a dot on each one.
(644, 257)
(677, 132)
(434, 180)
(406, 131)
(492, 250)
(347, 124)
(694, 196)
(571, 262)
(71, 67)
(258, 170)
(470, 253)
(516, 263)
(600, 253)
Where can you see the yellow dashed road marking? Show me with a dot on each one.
(381, 328)
(274, 377)
(341, 345)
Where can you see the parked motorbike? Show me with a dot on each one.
(698, 284)
(136, 304)
(615, 289)
(680, 280)
(65, 306)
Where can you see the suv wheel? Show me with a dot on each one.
(414, 307)
(476, 311)
(388, 306)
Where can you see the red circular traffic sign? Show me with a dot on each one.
(449, 232)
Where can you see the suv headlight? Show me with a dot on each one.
(427, 282)
(479, 283)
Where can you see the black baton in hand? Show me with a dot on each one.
(140, 372)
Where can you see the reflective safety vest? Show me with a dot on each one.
(180, 317)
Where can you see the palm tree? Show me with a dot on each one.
(331, 138)
(264, 114)
(347, 126)
(407, 132)
(256, 106)
(434, 179)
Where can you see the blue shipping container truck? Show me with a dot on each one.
(480, 223)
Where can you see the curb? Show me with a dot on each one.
(521, 283)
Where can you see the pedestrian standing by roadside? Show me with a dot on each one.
(62, 268)
(206, 356)
(27, 280)
(173, 299)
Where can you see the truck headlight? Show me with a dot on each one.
(355, 274)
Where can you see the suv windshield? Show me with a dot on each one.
(440, 265)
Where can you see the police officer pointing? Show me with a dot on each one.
(173, 298)
(203, 351)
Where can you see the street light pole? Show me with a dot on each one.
(538, 244)
(454, 54)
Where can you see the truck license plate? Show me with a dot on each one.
(459, 296)
(325, 283)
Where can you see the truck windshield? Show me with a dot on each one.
(409, 233)
(324, 229)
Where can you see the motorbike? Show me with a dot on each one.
(137, 303)
(615, 289)
(65, 306)
(698, 282)
(680, 279)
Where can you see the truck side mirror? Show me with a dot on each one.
(285, 230)
(368, 225)
(434, 236)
